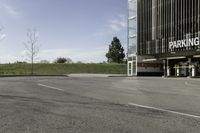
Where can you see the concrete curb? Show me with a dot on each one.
(2, 76)
(96, 75)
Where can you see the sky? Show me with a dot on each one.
(78, 29)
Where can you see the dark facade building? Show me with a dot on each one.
(167, 37)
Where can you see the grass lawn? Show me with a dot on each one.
(61, 69)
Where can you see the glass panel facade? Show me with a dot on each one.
(132, 28)
(132, 36)
(163, 21)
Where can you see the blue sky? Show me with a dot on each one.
(78, 29)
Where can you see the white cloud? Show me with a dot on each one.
(2, 37)
(118, 23)
(114, 25)
(102, 33)
(11, 11)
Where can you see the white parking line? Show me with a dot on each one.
(164, 110)
(50, 87)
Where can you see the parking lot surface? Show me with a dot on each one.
(99, 105)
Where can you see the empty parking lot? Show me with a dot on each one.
(99, 104)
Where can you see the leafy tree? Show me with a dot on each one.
(116, 52)
(21, 62)
(63, 60)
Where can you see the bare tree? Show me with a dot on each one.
(32, 47)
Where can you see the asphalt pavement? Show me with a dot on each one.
(99, 105)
